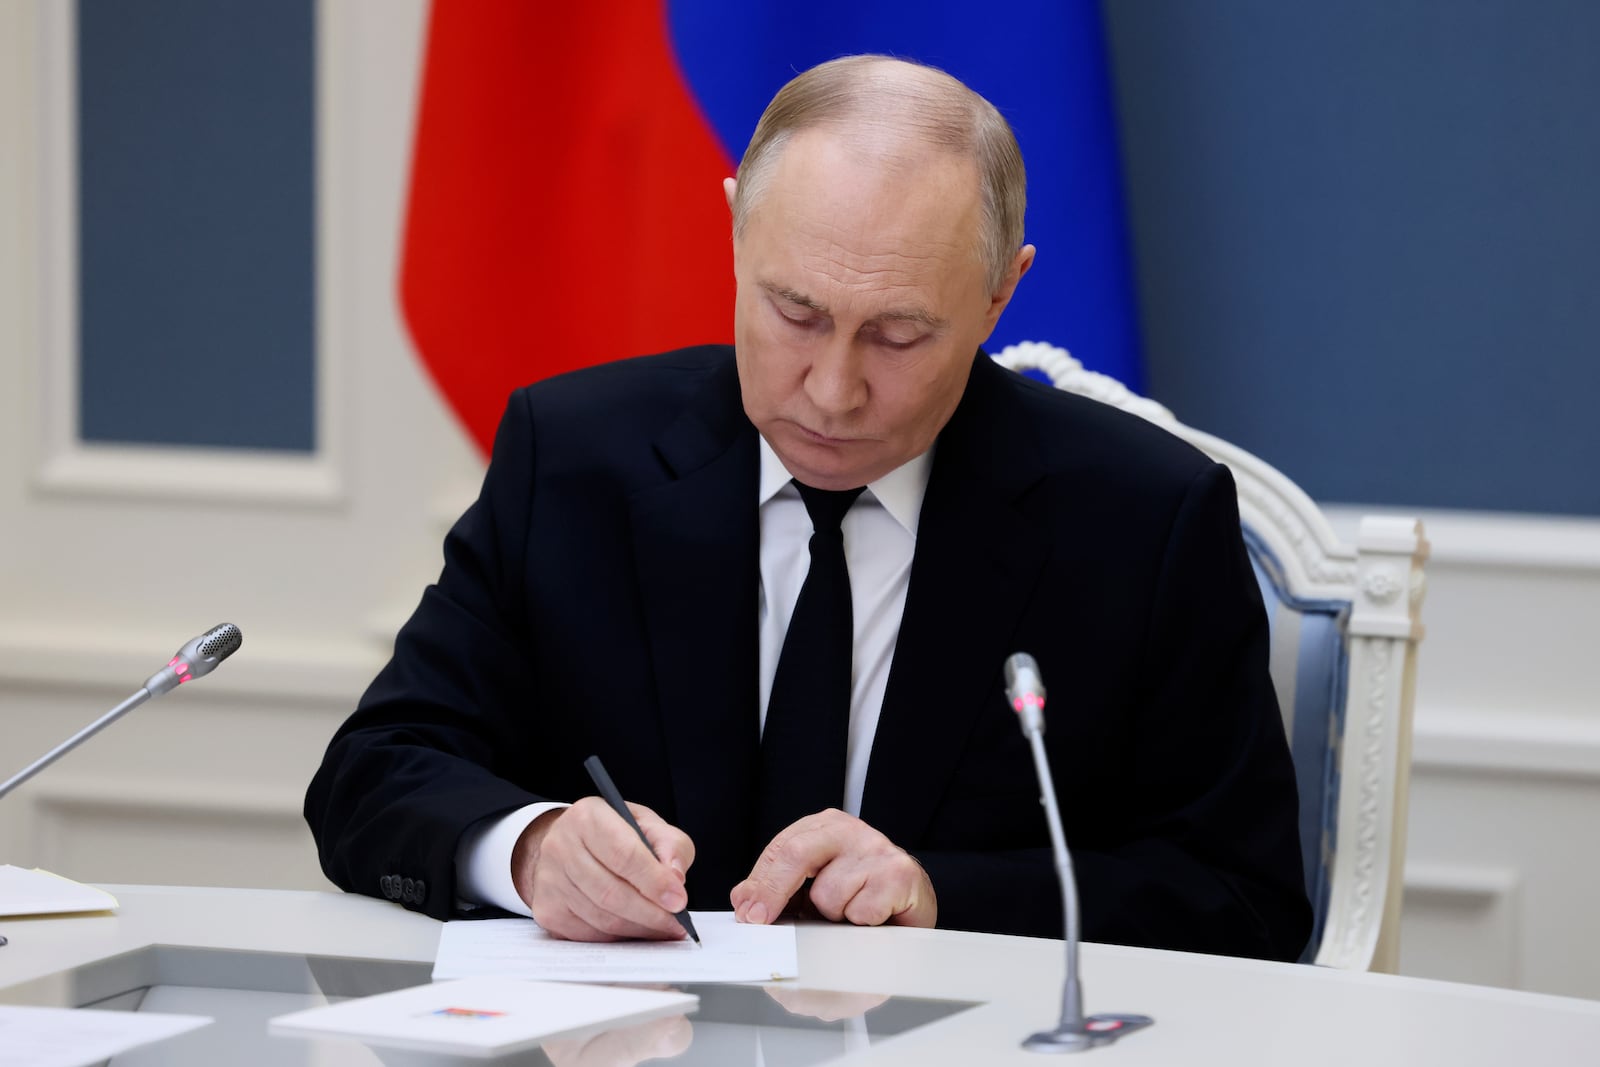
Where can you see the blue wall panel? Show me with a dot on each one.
(1368, 237)
(196, 223)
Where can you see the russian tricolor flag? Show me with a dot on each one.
(566, 202)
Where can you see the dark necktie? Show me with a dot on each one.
(808, 711)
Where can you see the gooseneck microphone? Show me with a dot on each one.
(1075, 1032)
(197, 658)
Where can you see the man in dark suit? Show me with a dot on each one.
(624, 584)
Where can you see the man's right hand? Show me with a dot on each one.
(588, 877)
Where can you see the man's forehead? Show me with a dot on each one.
(847, 234)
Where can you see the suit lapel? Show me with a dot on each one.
(977, 561)
(695, 549)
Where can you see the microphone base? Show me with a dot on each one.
(1092, 1032)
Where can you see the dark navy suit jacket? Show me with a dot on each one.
(601, 597)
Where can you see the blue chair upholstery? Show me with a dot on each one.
(1344, 624)
(1308, 665)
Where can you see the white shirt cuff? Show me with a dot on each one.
(483, 860)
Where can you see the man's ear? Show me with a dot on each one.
(1008, 284)
(730, 186)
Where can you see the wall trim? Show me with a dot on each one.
(1491, 539)
(1455, 885)
(64, 808)
(1447, 904)
(64, 465)
(81, 660)
(1519, 745)
(59, 797)
(208, 476)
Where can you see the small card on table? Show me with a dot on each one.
(481, 1016)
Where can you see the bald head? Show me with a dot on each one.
(895, 114)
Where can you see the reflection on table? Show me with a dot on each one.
(953, 998)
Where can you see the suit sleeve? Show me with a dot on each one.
(420, 759)
(1198, 848)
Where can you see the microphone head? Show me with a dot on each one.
(199, 656)
(203, 653)
(1024, 684)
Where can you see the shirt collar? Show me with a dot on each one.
(900, 491)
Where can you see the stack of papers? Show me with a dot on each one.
(36, 892)
(481, 1016)
(499, 986)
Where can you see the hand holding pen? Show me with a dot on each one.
(608, 790)
(584, 877)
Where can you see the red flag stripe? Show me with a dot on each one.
(566, 205)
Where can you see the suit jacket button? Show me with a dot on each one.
(421, 893)
(386, 886)
(408, 890)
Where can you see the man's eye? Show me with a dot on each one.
(799, 318)
(899, 344)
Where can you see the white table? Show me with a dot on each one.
(1208, 1010)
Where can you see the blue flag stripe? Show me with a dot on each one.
(1041, 62)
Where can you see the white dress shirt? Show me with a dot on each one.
(880, 538)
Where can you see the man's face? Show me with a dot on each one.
(861, 300)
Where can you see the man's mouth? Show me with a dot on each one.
(822, 438)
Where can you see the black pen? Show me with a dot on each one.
(608, 789)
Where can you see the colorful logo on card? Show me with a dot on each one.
(466, 1013)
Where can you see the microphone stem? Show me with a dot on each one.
(1071, 990)
(74, 741)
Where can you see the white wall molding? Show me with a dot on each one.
(57, 797)
(85, 660)
(115, 556)
(1507, 744)
(202, 476)
(1458, 885)
(190, 832)
(1492, 539)
(61, 463)
(1463, 923)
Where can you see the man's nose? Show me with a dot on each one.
(835, 383)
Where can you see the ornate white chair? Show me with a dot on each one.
(1345, 625)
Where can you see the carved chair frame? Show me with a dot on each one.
(1381, 578)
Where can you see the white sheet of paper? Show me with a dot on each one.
(729, 951)
(481, 1016)
(68, 1037)
(36, 892)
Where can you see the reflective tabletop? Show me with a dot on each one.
(245, 956)
(774, 1025)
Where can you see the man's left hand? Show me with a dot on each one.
(858, 875)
